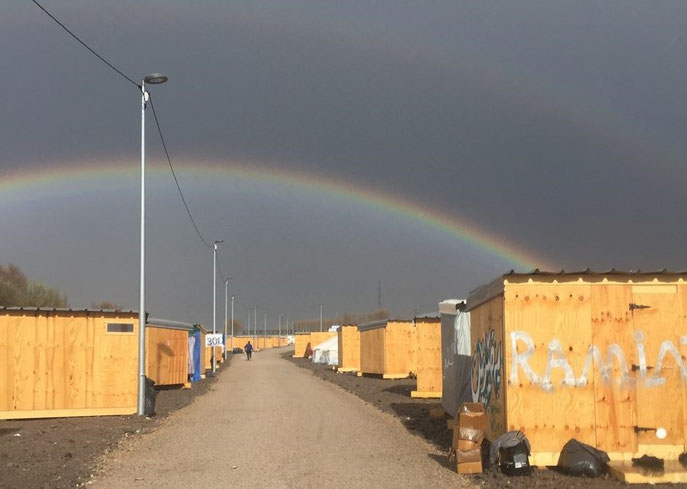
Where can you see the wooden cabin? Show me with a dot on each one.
(63, 362)
(317, 337)
(599, 357)
(428, 357)
(301, 345)
(349, 348)
(388, 348)
(167, 351)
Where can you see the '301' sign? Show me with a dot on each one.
(215, 339)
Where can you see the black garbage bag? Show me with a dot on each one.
(580, 459)
(151, 394)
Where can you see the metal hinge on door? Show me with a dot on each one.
(643, 428)
(638, 306)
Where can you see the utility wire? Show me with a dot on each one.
(169, 160)
(84, 44)
(221, 275)
(157, 122)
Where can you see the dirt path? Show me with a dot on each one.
(280, 427)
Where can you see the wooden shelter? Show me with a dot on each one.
(241, 341)
(388, 348)
(349, 348)
(428, 355)
(301, 344)
(62, 362)
(167, 351)
(599, 357)
(317, 337)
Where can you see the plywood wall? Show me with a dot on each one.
(320, 337)
(302, 342)
(593, 359)
(557, 318)
(428, 346)
(400, 356)
(349, 348)
(66, 365)
(167, 355)
(372, 351)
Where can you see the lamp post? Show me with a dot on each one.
(226, 287)
(214, 297)
(232, 324)
(152, 79)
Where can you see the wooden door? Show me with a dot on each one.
(612, 355)
(658, 317)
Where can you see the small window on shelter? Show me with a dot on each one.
(120, 328)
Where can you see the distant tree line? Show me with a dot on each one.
(106, 305)
(16, 290)
(238, 326)
(346, 318)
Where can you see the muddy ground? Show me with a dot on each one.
(393, 397)
(63, 453)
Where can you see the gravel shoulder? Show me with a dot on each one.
(62, 453)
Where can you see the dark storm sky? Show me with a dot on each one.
(558, 126)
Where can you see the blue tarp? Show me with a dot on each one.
(196, 358)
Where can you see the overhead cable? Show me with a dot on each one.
(84, 44)
(176, 181)
(157, 122)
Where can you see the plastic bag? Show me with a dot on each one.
(507, 440)
(580, 459)
(514, 460)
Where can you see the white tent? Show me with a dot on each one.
(327, 352)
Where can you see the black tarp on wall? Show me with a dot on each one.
(456, 368)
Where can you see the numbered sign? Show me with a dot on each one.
(214, 339)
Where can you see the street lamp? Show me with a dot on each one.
(226, 287)
(214, 297)
(152, 79)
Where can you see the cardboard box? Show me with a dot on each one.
(474, 455)
(469, 468)
(467, 445)
(472, 415)
(460, 443)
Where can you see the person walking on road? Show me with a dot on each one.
(249, 350)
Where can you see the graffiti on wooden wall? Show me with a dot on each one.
(487, 359)
(556, 359)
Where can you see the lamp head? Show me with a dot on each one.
(155, 78)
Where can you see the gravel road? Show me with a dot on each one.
(270, 424)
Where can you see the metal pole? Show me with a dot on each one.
(264, 333)
(232, 324)
(255, 321)
(214, 299)
(320, 317)
(280, 329)
(142, 279)
(226, 287)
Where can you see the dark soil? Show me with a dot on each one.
(63, 453)
(393, 396)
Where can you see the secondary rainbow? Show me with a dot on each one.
(57, 180)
